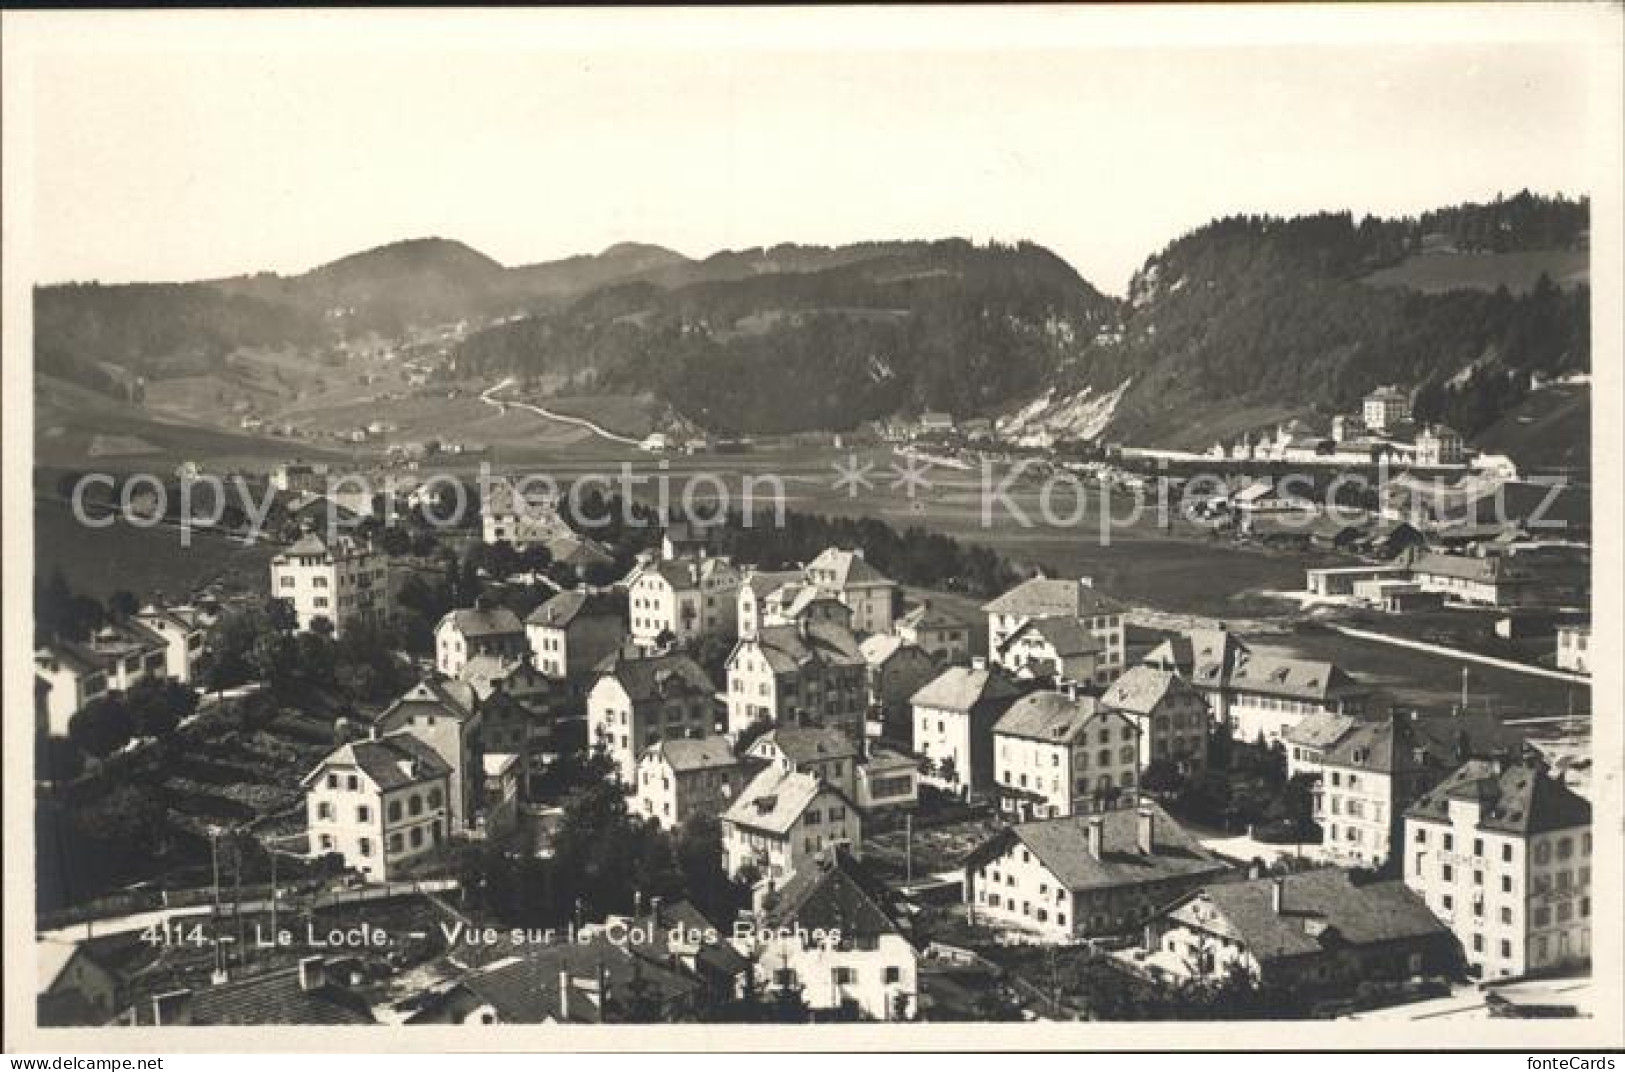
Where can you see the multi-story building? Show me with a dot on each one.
(574, 631)
(1059, 650)
(345, 583)
(1491, 581)
(895, 671)
(73, 677)
(642, 700)
(954, 717)
(811, 672)
(678, 778)
(1045, 597)
(1107, 873)
(782, 820)
(521, 516)
(445, 715)
(1573, 647)
(1206, 658)
(942, 634)
(1367, 780)
(1307, 742)
(1439, 444)
(1318, 931)
(378, 803)
(1170, 715)
(823, 752)
(1267, 694)
(681, 599)
(1385, 408)
(1502, 853)
(848, 576)
(756, 587)
(868, 968)
(469, 632)
(1062, 755)
(183, 630)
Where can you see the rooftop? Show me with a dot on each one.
(1047, 597)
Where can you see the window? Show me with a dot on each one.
(417, 837)
(364, 846)
(1506, 883)
(894, 974)
(395, 843)
(394, 811)
(1506, 949)
(845, 976)
(1478, 846)
(363, 814)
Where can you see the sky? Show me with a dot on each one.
(181, 149)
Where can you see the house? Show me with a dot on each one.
(1058, 649)
(681, 777)
(1368, 778)
(315, 992)
(895, 671)
(1439, 445)
(580, 555)
(793, 604)
(1059, 754)
(73, 676)
(445, 715)
(848, 576)
(755, 588)
(944, 635)
(74, 986)
(1388, 539)
(682, 599)
(887, 780)
(1573, 647)
(342, 583)
(1046, 597)
(837, 934)
(1207, 658)
(1488, 581)
(1385, 408)
(782, 820)
(380, 804)
(1315, 931)
(1501, 851)
(574, 631)
(822, 752)
(809, 672)
(1170, 716)
(183, 630)
(1266, 694)
(640, 700)
(934, 422)
(1307, 741)
(1083, 876)
(296, 477)
(520, 516)
(954, 716)
(686, 539)
(483, 629)
(519, 707)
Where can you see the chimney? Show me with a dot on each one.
(564, 995)
(978, 662)
(1086, 582)
(1277, 894)
(654, 909)
(312, 973)
(172, 1008)
(1097, 836)
(1145, 831)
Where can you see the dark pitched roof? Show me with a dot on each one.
(809, 744)
(1066, 635)
(525, 989)
(1047, 716)
(485, 621)
(849, 568)
(789, 647)
(775, 799)
(1517, 798)
(656, 677)
(1322, 729)
(274, 998)
(837, 893)
(1313, 905)
(563, 609)
(931, 616)
(959, 688)
(1062, 846)
(431, 695)
(1141, 688)
(1206, 656)
(1047, 597)
(1299, 679)
(695, 753)
(392, 762)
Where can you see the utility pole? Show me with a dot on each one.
(1464, 673)
(908, 848)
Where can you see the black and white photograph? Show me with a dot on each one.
(1046, 528)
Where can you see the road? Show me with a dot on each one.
(563, 418)
(1457, 653)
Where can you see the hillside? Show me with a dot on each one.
(1436, 273)
(1262, 313)
(1548, 431)
(943, 325)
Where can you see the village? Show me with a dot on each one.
(799, 790)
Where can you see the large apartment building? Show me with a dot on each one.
(344, 582)
(1046, 597)
(1502, 853)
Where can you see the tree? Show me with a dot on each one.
(101, 727)
(158, 707)
(123, 604)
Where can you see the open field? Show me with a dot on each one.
(99, 562)
(1549, 430)
(1438, 272)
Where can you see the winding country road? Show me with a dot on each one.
(563, 418)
